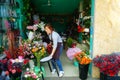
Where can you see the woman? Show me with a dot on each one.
(57, 44)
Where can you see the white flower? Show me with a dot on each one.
(29, 44)
(12, 60)
(25, 76)
(40, 47)
(34, 46)
(31, 35)
(27, 69)
(16, 60)
(21, 60)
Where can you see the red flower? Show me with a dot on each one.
(19, 70)
(108, 64)
(8, 54)
(25, 61)
(80, 29)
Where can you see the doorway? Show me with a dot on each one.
(64, 17)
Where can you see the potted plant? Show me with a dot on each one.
(84, 61)
(109, 66)
(69, 42)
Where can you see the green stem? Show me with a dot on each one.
(38, 62)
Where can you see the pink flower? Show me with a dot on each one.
(31, 56)
(7, 72)
(34, 76)
(13, 71)
(20, 58)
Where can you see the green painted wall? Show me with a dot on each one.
(59, 22)
(56, 7)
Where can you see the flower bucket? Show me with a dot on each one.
(83, 71)
(106, 77)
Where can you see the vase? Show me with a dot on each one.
(83, 71)
(107, 77)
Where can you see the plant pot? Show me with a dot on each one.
(107, 77)
(83, 71)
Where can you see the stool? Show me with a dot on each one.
(54, 63)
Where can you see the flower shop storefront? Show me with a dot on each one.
(22, 36)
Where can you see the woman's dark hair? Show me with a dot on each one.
(49, 26)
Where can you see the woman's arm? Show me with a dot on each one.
(54, 38)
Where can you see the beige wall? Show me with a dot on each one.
(106, 29)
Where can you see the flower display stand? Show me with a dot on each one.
(106, 77)
(83, 71)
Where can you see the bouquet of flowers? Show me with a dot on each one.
(82, 58)
(108, 64)
(38, 53)
(38, 50)
(34, 74)
(13, 67)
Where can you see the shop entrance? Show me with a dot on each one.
(71, 19)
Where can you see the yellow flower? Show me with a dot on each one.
(35, 49)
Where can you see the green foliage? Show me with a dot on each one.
(1, 49)
(87, 52)
(27, 12)
(69, 42)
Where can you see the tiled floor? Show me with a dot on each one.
(71, 71)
